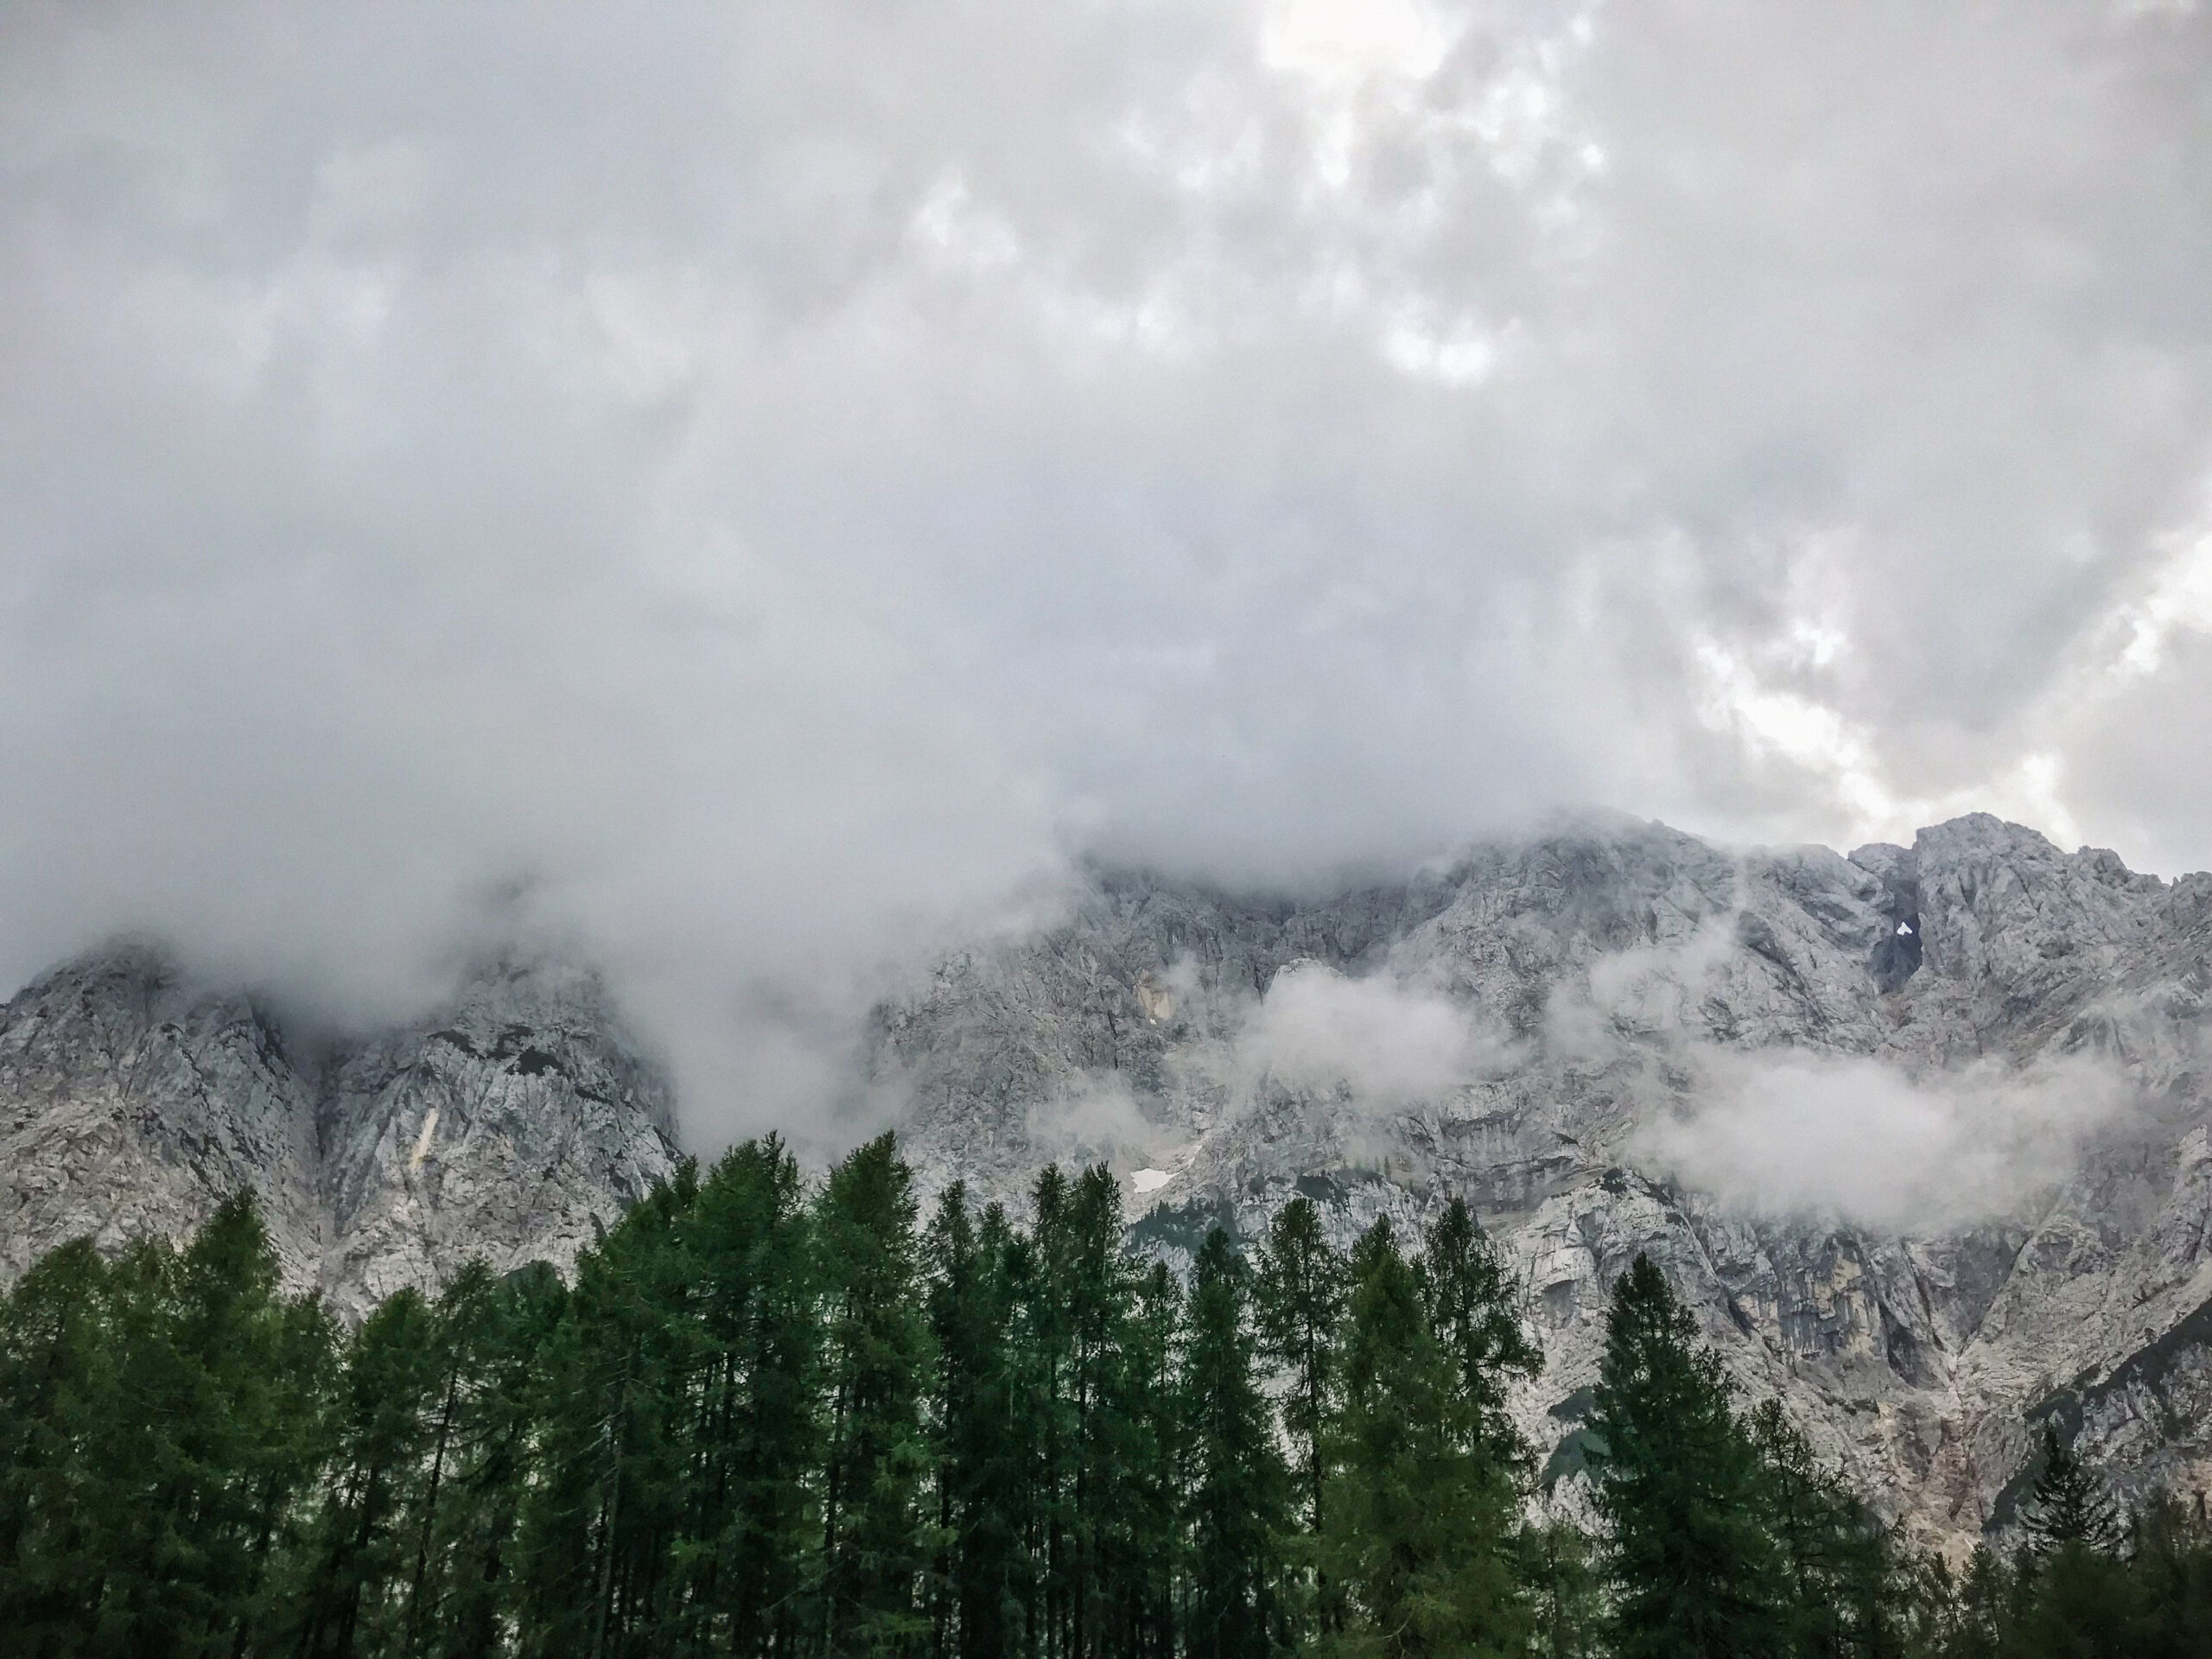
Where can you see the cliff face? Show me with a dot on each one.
(510, 1126)
(2055, 1261)
(1610, 1040)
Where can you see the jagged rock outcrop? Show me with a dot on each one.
(1616, 971)
(513, 1125)
(1517, 1028)
(131, 1104)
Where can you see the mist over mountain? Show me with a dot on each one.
(580, 586)
(754, 497)
(1934, 1199)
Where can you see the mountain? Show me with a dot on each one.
(2053, 1260)
(513, 1124)
(1920, 1134)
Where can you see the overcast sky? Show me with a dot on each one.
(755, 486)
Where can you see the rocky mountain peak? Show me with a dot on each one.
(1920, 1133)
(510, 1124)
(1980, 989)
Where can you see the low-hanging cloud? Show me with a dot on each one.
(1096, 1117)
(1858, 1139)
(1387, 1042)
(767, 485)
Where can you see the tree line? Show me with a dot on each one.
(781, 1418)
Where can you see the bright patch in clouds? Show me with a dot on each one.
(1335, 42)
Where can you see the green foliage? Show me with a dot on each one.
(1836, 1593)
(1566, 1601)
(1422, 1510)
(1694, 1567)
(2066, 1505)
(1475, 1324)
(2148, 1597)
(1300, 1291)
(782, 1419)
(876, 1356)
(1239, 1506)
(976, 1575)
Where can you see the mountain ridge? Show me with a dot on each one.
(513, 1123)
(1523, 1026)
(1617, 965)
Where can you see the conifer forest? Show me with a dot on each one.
(776, 1417)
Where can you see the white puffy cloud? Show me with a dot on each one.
(1386, 1041)
(1857, 1139)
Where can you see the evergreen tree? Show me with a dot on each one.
(158, 1417)
(463, 1314)
(1100, 1291)
(1979, 1612)
(2080, 1600)
(876, 1359)
(1299, 1294)
(617, 1379)
(1472, 1316)
(57, 1344)
(750, 1542)
(1239, 1490)
(978, 1476)
(381, 1439)
(1147, 1570)
(212, 1419)
(1837, 1584)
(1559, 1568)
(772, 1422)
(2067, 1505)
(2170, 1556)
(1694, 1568)
(1035, 1360)
(1050, 1428)
(1420, 1514)
(495, 1334)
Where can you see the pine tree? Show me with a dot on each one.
(158, 1417)
(1566, 1603)
(381, 1436)
(1472, 1315)
(1049, 1427)
(1035, 1359)
(1101, 1295)
(1694, 1568)
(1835, 1573)
(751, 1542)
(1147, 1571)
(464, 1316)
(619, 1378)
(1239, 1490)
(876, 1358)
(1300, 1292)
(2170, 1554)
(2067, 1504)
(495, 1336)
(212, 1419)
(59, 1346)
(1420, 1514)
(977, 1478)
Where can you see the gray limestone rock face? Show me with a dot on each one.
(513, 1126)
(1533, 1013)
(133, 1102)
(518, 1129)
(1616, 969)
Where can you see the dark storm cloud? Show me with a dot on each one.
(776, 479)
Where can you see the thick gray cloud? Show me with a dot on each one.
(754, 487)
